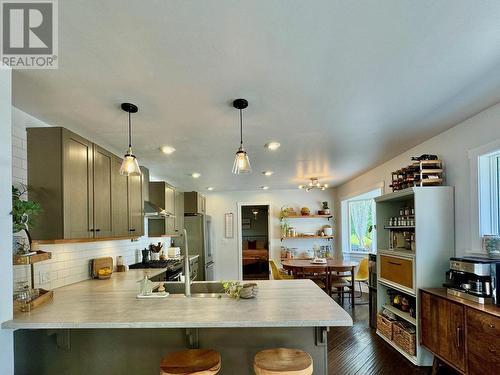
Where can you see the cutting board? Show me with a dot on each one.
(99, 263)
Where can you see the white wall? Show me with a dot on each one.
(6, 341)
(70, 262)
(226, 249)
(452, 146)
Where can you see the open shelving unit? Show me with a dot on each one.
(307, 238)
(310, 217)
(407, 271)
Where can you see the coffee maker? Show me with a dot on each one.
(475, 279)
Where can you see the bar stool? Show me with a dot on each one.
(283, 361)
(191, 362)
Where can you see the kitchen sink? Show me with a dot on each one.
(199, 289)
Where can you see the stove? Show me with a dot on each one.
(169, 264)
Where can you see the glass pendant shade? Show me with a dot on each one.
(241, 162)
(130, 166)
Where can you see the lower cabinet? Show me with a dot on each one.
(463, 337)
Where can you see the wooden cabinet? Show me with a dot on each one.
(120, 200)
(459, 333)
(103, 203)
(443, 329)
(194, 203)
(135, 206)
(483, 342)
(80, 189)
(179, 212)
(163, 195)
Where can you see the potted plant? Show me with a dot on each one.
(23, 214)
(325, 210)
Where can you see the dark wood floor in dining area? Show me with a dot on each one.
(358, 350)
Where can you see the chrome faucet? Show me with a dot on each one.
(187, 271)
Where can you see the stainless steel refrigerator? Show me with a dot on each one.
(199, 229)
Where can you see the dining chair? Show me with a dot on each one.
(278, 274)
(361, 276)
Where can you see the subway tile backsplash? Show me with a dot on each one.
(70, 263)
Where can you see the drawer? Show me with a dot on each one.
(481, 322)
(484, 346)
(397, 270)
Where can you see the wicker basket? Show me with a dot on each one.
(384, 326)
(404, 339)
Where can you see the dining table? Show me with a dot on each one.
(300, 267)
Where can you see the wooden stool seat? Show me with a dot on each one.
(283, 361)
(191, 362)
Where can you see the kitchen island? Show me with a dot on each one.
(102, 322)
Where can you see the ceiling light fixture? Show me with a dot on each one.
(196, 175)
(264, 187)
(313, 184)
(210, 188)
(272, 145)
(255, 213)
(167, 149)
(241, 162)
(268, 173)
(130, 165)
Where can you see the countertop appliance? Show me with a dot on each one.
(199, 229)
(372, 289)
(475, 279)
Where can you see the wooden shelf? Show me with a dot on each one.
(403, 315)
(431, 171)
(429, 181)
(81, 240)
(24, 260)
(310, 217)
(400, 227)
(411, 358)
(307, 238)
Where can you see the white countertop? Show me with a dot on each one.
(112, 304)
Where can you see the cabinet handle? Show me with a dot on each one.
(91, 230)
(97, 230)
(132, 230)
(395, 263)
(459, 336)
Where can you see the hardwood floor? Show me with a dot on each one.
(358, 350)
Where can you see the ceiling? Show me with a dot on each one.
(342, 85)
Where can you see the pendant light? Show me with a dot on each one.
(130, 166)
(241, 162)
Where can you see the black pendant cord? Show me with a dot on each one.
(129, 132)
(241, 128)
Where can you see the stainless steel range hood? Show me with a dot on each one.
(152, 210)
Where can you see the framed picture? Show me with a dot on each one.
(245, 224)
(229, 225)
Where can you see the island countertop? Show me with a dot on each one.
(112, 303)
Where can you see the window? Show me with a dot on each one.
(489, 192)
(358, 223)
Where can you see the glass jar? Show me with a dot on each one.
(491, 245)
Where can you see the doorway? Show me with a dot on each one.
(255, 242)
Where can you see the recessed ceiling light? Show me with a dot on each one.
(167, 149)
(210, 188)
(195, 175)
(264, 187)
(273, 145)
(268, 173)
(301, 186)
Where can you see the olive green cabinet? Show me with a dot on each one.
(79, 188)
(179, 212)
(194, 203)
(162, 195)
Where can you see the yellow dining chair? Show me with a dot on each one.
(277, 274)
(361, 276)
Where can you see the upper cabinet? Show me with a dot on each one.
(194, 203)
(80, 189)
